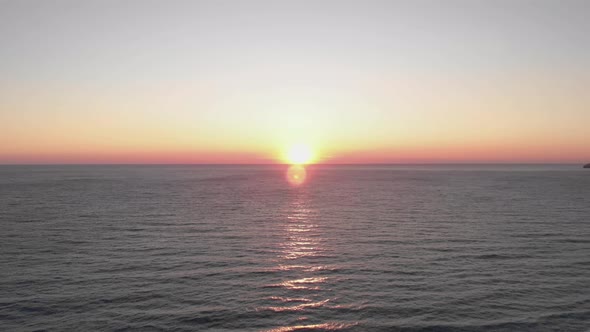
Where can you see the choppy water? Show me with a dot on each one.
(355, 248)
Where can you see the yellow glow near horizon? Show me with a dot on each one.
(299, 154)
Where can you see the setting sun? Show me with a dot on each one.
(299, 154)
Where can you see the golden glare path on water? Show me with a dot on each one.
(303, 290)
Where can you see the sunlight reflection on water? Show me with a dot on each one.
(302, 289)
(296, 175)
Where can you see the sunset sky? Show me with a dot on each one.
(242, 81)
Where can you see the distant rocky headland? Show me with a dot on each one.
(587, 166)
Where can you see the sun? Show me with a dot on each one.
(299, 154)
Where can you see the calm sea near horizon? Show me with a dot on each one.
(236, 248)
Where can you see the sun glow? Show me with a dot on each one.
(299, 154)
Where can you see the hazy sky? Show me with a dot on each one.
(239, 81)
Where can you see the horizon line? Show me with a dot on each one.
(287, 164)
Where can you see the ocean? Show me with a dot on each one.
(238, 248)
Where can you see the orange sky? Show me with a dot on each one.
(362, 82)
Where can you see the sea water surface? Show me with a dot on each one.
(237, 248)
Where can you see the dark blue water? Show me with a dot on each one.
(355, 248)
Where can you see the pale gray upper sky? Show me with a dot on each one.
(112, 39)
